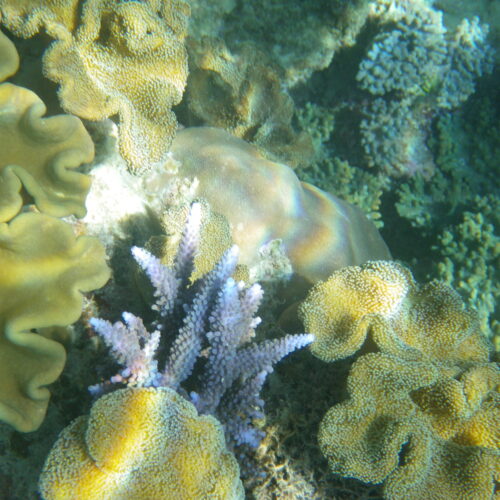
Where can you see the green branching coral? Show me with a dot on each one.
(44, 270)
(470, 260)
(356, 185)
(40, 154)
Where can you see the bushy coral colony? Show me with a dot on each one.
(229, 148)
(215, 312)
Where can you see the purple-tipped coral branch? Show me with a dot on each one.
(213, 313)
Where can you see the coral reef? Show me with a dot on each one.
(418, 68)
(242, 93)
(319, 232)
(45, 269)
(421, 415)
(470, 260)
(381, 300)
(163, 449)
(335, 175)
(301, 38)
(25, 18)
(42, 154)
(426, 431)
(457, 212)
(138, 70)
(213, 311)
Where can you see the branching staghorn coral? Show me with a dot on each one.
(213, 312)
(422, 413)
(125, 58)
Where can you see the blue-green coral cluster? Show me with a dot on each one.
(401, 94)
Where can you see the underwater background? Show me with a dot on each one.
(391, 106)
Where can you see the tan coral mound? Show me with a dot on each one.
(125, 58)
(265, 201)
(44, 270)
(427, 432)
(141, 443)
(382, 299)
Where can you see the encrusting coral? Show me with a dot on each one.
(163, 449)
(125, 58)
(422, 412)
(319, 232)
(44, 270)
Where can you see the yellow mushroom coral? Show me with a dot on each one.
(141, 443)
(39, 154)
(43, 271)
(382, 299)
(125, 58)
(410, 425)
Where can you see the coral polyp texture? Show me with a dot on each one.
(125, 58)
(320, 232)
(425, 431)
(422, 409)
(44, 271)
(382, 300)
(25, 18)
(213, 312)
(142, 443)
(39, 154)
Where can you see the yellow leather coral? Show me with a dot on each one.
(264, 201)
(427, 432)
(246, 98)
(9, 58)
(141, 443)
(125, 58)
(43, 271)
(382, 299)
(26, 17)
(39, 154)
